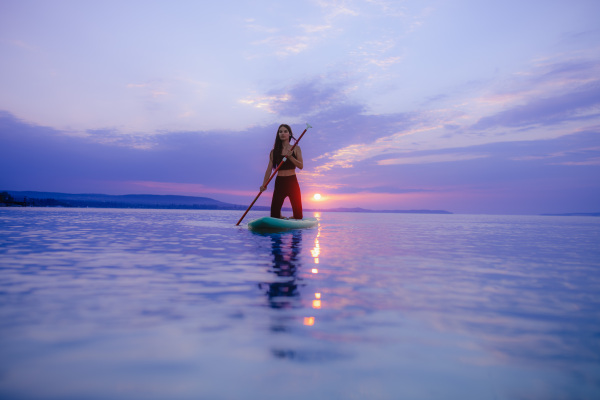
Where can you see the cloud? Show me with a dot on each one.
(266, 103)
(315, 28)
(252, 25)
(432, 158)
(42, 158)
(293, 39)
(306, 98)
(591, 161)
(336, 8)
(286, 45)
(578, 104)
(516, 176)
(347, 156)
(577, 152)
(177, 188)
(346, 135)
(564, 102)
(386, 62)
(338, 122)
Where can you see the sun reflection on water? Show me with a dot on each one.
(316, 250)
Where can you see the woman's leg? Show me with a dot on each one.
(279, 195)
(295, 197)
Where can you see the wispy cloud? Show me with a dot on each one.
(346, 157)
(432, 158)
(536, 109)
(267, 103)
(297, 38)
(387, 62)
(591, 161)
(187, 188)
(579, 103)
(574, 156)
(286, 45)
(252, 25)
(335, 8)
(302, 99)
(315, 28)
(382, 53)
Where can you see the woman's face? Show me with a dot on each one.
(283, 133)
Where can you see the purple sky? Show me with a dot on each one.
(465, 106)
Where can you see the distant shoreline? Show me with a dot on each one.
(597, 214)
(9, 198)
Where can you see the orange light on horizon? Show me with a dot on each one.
(317, 197)
(383, 201)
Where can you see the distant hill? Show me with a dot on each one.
(123, 201)
(54, 199)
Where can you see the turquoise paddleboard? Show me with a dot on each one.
(278, 224)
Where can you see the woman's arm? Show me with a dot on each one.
(267, 173)
(297, 161)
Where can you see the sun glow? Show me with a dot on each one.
(317, 197)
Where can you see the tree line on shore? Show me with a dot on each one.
(6, 200)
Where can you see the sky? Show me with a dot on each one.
(459, 105)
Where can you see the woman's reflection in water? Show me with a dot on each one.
(283, 295)
(283, 292)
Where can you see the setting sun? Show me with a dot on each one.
(317, 196)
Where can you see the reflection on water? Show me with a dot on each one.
(316, 251)
(282, 292)
(146, 304)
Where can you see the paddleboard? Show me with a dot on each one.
(278, 224)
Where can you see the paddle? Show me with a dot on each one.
(273, 174)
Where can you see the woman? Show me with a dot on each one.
(286, 184)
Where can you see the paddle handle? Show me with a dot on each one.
(273, 174)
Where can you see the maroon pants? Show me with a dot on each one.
(286, 186)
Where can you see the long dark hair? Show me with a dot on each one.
(278, 146)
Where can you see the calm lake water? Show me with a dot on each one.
(169, 304)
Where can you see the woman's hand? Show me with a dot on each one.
(296, 160)
(263, 188)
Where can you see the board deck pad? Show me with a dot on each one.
(279, 224)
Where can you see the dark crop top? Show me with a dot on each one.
(287, 164)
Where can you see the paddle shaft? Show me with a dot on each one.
(273, 174)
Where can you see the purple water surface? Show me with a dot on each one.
(170, 304)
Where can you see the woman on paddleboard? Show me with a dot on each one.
(286, 183)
